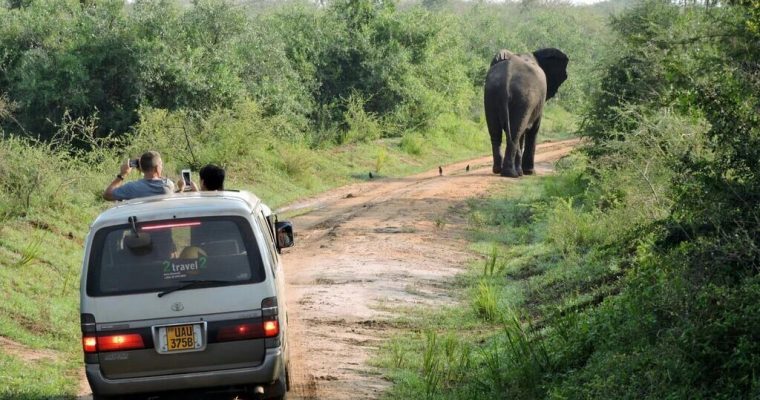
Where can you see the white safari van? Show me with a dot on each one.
(185, 292)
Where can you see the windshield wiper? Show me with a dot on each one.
(190, 284)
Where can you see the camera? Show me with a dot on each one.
(134, 163)
(186, 176)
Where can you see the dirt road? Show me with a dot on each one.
(364, 249)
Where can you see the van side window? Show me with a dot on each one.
(268, 233)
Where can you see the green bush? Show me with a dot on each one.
(36, 177)
(362, 125)
(406, 66)
(674, 134)
(412, 143)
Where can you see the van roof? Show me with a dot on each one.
(179, 205)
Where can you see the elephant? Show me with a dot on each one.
(516, 88)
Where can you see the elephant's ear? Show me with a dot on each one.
(554, 64)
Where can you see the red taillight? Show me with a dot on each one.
(90, 344)
(258, 330)
(239, 332)
(271, 328)
(130, 341)
(120, 342)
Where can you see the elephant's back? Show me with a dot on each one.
(497, 79)
(519, 76)
(527, 81)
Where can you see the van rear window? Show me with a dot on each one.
(164, 254)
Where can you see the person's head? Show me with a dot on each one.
(192, 252)
(151, 164)
(212, 177)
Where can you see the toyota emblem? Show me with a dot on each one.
(178, 307)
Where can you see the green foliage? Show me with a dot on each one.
(360, 64)
(413, 144)
(431, 365)
(381, 159)
(31, 180)
(557, 123)
(677, 122)
(29, 253)
(486, 301)
(362, 126)
(43, 372)
(580, 32)
(489, 268)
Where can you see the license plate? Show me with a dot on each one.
(177, 338)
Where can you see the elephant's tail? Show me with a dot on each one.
(504, 117)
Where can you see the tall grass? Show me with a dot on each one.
(486, 301)
(547, 262)
(29, 253)
(432, 372)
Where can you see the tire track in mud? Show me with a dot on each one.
(363, 251)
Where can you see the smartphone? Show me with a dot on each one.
(135, 163)
(186, 176)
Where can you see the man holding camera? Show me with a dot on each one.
(152, 183)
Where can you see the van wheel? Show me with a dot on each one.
(284, 378)
(287, 378)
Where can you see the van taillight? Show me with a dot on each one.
(271, 328)
(253, 330)
(92, 344)
(238, 332)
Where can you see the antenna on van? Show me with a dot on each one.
(138, 243)
(189, 146)
(133, 221)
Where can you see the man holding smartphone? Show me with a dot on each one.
(152, 183)
(212, 178)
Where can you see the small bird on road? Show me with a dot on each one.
(440, 171)
(467, 168)
(370, 175)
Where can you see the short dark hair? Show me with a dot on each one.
(149, 161)
(212, 177)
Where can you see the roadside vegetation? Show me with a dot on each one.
(292, 98)
(632, 273)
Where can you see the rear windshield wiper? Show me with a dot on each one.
(190, 284)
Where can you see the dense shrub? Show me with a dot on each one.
(679, 109)
(308, 65)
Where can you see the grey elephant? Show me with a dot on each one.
(516, 88)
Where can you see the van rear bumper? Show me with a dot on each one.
(265, 374)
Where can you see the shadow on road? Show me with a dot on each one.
(165, 396)
(181, 395)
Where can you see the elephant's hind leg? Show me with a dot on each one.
(518, 121)
(494, 129)
(530, 148)
(520, 156)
